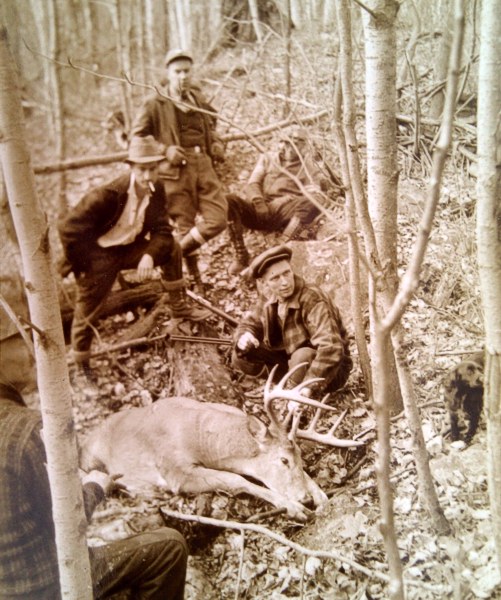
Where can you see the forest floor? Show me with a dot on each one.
(443, 321)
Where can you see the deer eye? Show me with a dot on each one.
(285, 461)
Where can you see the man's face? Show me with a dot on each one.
(179, 76)
(279, 279)
(17, 366)
(290, 150)
(145, 174)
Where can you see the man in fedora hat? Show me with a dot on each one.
(293, 323)
(122, 225)
(274, 201)
(191, 184)
(151, 564)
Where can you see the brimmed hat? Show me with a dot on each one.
(176, 54)
(267, 258)
(145, 150)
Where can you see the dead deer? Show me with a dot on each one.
(186, 446)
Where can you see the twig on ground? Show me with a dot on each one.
(333, 555)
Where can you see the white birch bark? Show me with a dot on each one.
(52, 373)
(489, 241)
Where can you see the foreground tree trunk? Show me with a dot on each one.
(52, 373)
(380, 342)
(489, 241)
(382, 168)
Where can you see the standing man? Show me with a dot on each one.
(294, 323)
(152, 564)
(274, 200)
(122, 225)
(191, 184)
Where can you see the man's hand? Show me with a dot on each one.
(145, 268)
(176, 156)
(108, 483)
(260, 206)
(247, 341)
(217, 152)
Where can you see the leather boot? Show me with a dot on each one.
(241, 259)
(179, 305)
(194, 274)
(291, 231)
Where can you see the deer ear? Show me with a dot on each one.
(257, 428)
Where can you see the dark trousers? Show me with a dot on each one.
(195, 189)
(94, 285)
(149, 566)
(253, 361)
(281, 210)
(152, 566)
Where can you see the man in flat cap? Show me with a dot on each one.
(121, 225)
(293, 323)
(191, 184)
(274, 201)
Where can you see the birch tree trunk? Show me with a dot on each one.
(382, 168)
(489, 240)
(444, 15)
(57, 98)
(52, 373)
(123, 59)
(353, 247)
(149, 40)
(255, 20)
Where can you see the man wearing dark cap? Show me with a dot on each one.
(121, 225)
(191, 184)
(274, 200)
(293, 323)
(150, 565)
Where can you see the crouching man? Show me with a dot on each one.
(150, 565)
(122, 225)
(293, 323)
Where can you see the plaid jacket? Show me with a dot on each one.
(311, 319)
(28, 560)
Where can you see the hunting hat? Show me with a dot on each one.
(267, 258)
(176, 54)
(145, 150)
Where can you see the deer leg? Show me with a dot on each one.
(202, 479)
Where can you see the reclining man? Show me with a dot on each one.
(191, 184)
(121, 225)
(274, 201)
(152, 564)
(293, 323)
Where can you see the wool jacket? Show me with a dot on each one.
(28, 560)
(157, 117)
(311, 319)
(98, 212)
(268, 180)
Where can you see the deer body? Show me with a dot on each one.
(186, 446)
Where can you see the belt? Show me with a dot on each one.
(195, 149)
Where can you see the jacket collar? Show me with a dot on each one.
(9, 392)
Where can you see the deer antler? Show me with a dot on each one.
(294, 394)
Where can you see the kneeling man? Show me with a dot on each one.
(293, 323)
